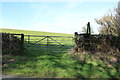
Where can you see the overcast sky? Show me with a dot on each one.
(61, 17)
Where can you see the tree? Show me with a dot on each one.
(110, 23)
(84, 29)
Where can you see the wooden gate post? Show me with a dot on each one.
(22, 41)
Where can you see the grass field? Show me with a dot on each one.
(37, 64)
(34, 32)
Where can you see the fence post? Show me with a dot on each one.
(22, 41)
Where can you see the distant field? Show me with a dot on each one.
(27, 32)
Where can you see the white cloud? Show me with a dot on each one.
(64, 23)
(64, 19)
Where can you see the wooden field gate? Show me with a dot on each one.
(48, 43)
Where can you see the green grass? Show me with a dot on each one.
(38, 64)
(57, 65)
(41, 65)
(27, 32)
